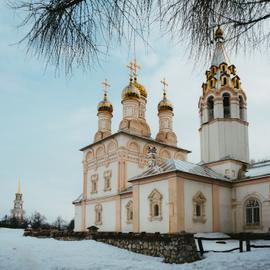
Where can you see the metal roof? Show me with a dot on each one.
(182, 166)
(258, 169)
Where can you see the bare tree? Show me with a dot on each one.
(76, 32)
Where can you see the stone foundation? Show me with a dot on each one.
(174, 248)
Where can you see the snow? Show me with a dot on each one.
(27, 253)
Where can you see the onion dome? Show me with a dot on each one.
(130, 91)
(105, 105)
(165, 104)
(142, 89)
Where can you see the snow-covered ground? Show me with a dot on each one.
(27, 253)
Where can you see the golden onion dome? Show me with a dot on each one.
(130, 91)
(165, 105)
(142, 89)
(105, 105)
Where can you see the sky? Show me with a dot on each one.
(46, 117)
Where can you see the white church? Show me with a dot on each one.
(133, 182)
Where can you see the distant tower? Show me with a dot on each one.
(17, 211)
(223, 113)
(165, 114)
(105, 110)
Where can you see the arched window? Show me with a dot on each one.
(94, 181)
(156, 210)
(241, 107)
(223, 81)
(155, 205)
(210, 108)
(129, 208)
(107, 180)
(226, 105)
(199, 201)
(98, 212)
(252, 208)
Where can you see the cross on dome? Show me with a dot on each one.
(165, 84)
(135, 68)
(106, 87)
(131, 70)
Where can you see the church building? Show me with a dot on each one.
(134, 182)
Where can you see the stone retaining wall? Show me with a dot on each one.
(174, 248)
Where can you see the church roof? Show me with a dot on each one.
(150, 140)
(78, 200)
(181, 166)
(258, 169)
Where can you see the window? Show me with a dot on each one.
(94, 181)
(107, 180)
(199, 201)
(210, 108)
(223, 80)
(198, 210)
(129, 208)
(252, 212)
(241, 107)
(98, 211)
(226, 105)
(155, 204)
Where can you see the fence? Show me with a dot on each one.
(243, 238)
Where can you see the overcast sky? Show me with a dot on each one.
(45, 119)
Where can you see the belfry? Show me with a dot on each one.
(17, 211)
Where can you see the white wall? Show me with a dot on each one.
(101, 181)
(154, 226)
(190, 189)
(125, 227)
(108, 216)
(77, 218)
(260, 191)
(224, 138)
(225, 200)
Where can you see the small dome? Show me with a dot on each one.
(165, 105)
(130, 91)
(142, 89)
(105, 106)
(219, 33)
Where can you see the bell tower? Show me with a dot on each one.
(223, 115)
(17, 211)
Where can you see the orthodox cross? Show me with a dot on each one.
(131, 70)
(106, 87)
(152, 156)
(165, 84)
(136, 67)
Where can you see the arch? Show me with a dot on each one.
(210, 108)
(252, 211)
(98, 214)
(241, 108)
(146, 148)
(199, 202)
(129, 207)
(164, 153)
(89, 155)
(112, 146)
(133, 146)
(100, 151)
(155, 205)
(226, 105)
(179, 156)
